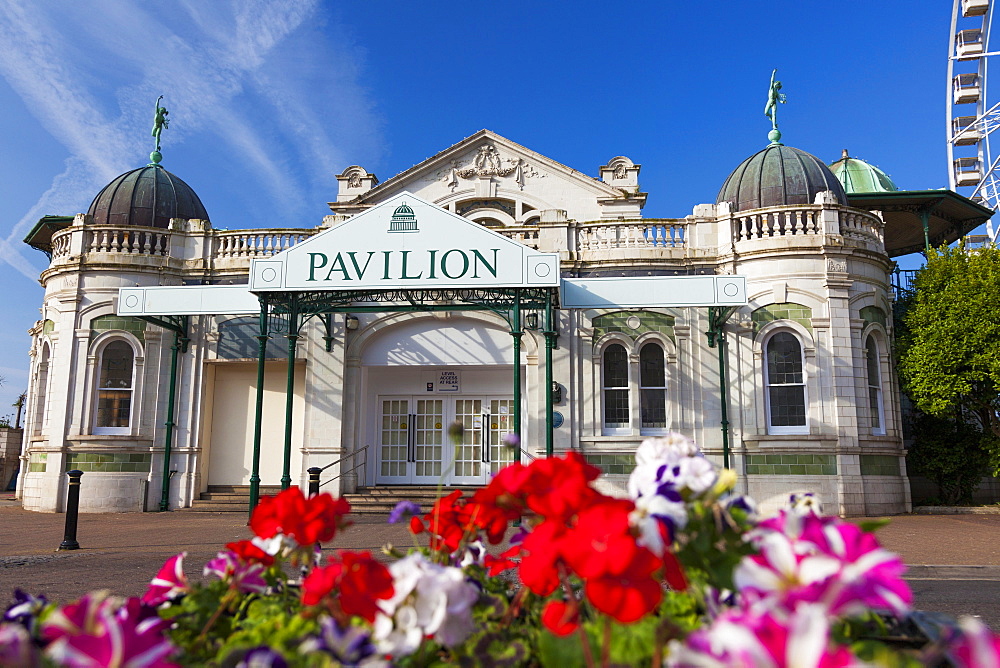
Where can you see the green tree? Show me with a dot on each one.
(951, 453)
(949, 346)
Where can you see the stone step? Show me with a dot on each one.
(242, 489)
(366, 501)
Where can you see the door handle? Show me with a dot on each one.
(411, 438)
(484, 431)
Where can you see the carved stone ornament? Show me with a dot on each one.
(836, 265)
(354, 180)
(489, 163)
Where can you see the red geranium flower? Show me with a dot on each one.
(557, 488)
(630, 595)
(561, 618)
(306, 520)
(497, 565)
(250, 553)
(602, 542)
(450, 521)
(356, 582)
(541, 555)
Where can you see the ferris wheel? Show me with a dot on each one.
(972, 115)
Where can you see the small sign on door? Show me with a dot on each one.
(449, 381)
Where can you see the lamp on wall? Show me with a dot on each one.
(351, 322)
(531, 321)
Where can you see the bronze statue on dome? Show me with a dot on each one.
(160, 122)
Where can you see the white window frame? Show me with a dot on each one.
(872, 347)
(114, 337)
(640, 345)
(629, 381)
(784, 429)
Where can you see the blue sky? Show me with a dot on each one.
(269, 99)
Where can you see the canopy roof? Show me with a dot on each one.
(949, 216)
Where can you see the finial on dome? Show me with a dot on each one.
(160, 122)
(774, 97)
(844, 155)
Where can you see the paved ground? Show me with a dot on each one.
(954, 559)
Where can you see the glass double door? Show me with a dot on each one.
(414, 446)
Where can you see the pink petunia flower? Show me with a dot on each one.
(762, 638)
(100, 631)
(241, 575)
(807, 558)
(976, 646)
(169, 583)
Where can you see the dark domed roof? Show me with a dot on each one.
(149, 197)
(779, 176)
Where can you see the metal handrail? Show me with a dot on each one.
(315, 484)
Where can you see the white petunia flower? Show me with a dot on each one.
(664, 450)
(428, 600)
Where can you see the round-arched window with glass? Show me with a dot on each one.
(114, 388)
(785, 383)
(652, 387)
(615, 387)
(875, 407)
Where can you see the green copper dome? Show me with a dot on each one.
(778, 176)
(859, 176)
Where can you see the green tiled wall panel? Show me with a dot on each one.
(132, 325)
(649, 322)
(786, 311)
(791, 464)
(879, 465)
(873, 314)
(37, 461)
(613, 464)
(105, 462)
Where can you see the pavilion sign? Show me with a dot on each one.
(405, 243)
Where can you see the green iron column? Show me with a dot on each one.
(716, 335)
(550, 339)
(180, 342)
(517, 333)
(925, 215)
(293, 337)
(259, 410)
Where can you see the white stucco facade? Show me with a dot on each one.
(819, 293)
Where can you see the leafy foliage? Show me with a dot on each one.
(949, 350)
(952, 453)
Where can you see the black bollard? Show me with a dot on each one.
(72, 511)
(314, 472)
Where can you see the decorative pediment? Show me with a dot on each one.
(487, 166)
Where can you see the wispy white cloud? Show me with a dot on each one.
(220, 64)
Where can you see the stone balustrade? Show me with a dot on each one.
(654, 233)
(256, 243)
(777, 222)
(61, 244)
(599, 241)
(815, 221)
(523, 235)
(131, 240)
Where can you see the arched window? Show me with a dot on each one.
(875, 407)
(785, 385)
(652, 387)
(615, 385)
(41, 390)
(114, 388)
